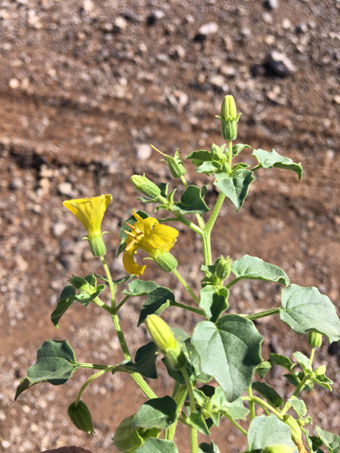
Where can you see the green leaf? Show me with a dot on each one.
(66, 299)
(197, 421)
(263, 369)
(208, 448)
(323, 381)
(213, 301)
(265, 431)
(270, 159)
(238, 148)
(191, 202)
(55, 364)
(209, 167)
(268, 393)
(331, 441)
(153, 445)
(131, 220)
(230, 351)
(236, 409)
(127, 439)
(281, 360)
(139, 288)
(303, 360)
(156, 413)
(305, 309)
(158, 300)
(235, 187)
(299, 406)
(145, 361)
(85, 298)
(254, 268)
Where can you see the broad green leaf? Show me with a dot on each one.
(139, 288)
(281, 360)
(230, 351)
(235, 409)
(270, 159)
(200, 156)
(191, 202)
(197, 421)
(158, 300)
(268, 393)
(263, 369)
(208, 448)
(55, 364)
(265, 431)
(128, 438)
(305, 309)
(238, 148)
(331, 441)
(153, 445)
(145, 361)
(131, 220)
(66, 299)
(254, 268)
(324, 381)
(303, 360)
(213, 301)
(235, 187)
(195, 361)
(209, 167)
(156, 413)
(299, 406)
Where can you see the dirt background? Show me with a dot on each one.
(84, 88)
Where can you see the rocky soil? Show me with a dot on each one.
(85, 86)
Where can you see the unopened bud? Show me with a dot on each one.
(295, 428)
(79, 283)
(314, 339)
(160, 333)
(166, 261)
(81, 416)
(144, 185)
(175, 165)
(223, 267)
(228, 109)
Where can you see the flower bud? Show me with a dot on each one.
(320, 370)
(228, 109)
(280, 448)
(223, 267)
(81, 417)
(314, 339)
(166, 261)
(79, 283)
(175, 165)
(144, 185)
(295, 428)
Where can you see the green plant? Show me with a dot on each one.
(214, 368)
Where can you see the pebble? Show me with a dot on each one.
(209, 28)
(65, 188)
(279, 64)
(155, 15)
(14, 84)
(143, 151)
(58, 229)
(271, 4)
(16, 184)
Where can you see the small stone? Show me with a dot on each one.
(16, 184)
(88, 6)
(155, 15)
(58, 229)
(336, 99)
(14, 84)
(209, 28)
(143, 151)
(65, 188)
(279, 64)
(121, 23)
(271, 4)
(177, 52)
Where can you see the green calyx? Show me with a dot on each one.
(229, 118)
(97, 245)
(166, 261)
(144, 185)
(81, 416)
(223, 267)
(314, 339)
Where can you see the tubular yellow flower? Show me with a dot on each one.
(90, 211)
(147, 234)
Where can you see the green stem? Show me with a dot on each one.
(101, 304)
(263, 404)
(187, 307)
(95, 366)
(208, 228)
(238, 426)
(262, 314)
(122, 303)
(251, 403)
(235, 280)
(187, 222)
(179, 397)
(189, 388)
(121, 337)
(186, 286)
(112, 286)
(90, 379)
(193, 440)
(230, 154)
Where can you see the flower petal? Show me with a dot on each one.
(130, 265)
(162, 237)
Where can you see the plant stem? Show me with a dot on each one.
(193, 440)
(122, 303)
(90, 379)
(111, 284)
(186, 307)
(230, 154)
(251, 404)
(262, 314)
(101, 304)
(186, 286)
(238, 426)
(263, 404)
(179, 397)
(208, 228)
(193, 431)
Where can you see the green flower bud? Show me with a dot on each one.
(160, 333)
(295, 428)
(81, 417)
(228, 109)
(176, 357)
(320, 370)
(175, 165)
(280, 448)
(223, 267)
(144, 185)
(166, 261)
(97, 245)
(79, 283)
(229, 130)
(314, 339)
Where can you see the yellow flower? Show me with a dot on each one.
(90, 211)
(147, 234)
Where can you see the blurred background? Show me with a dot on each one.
(85, 87)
